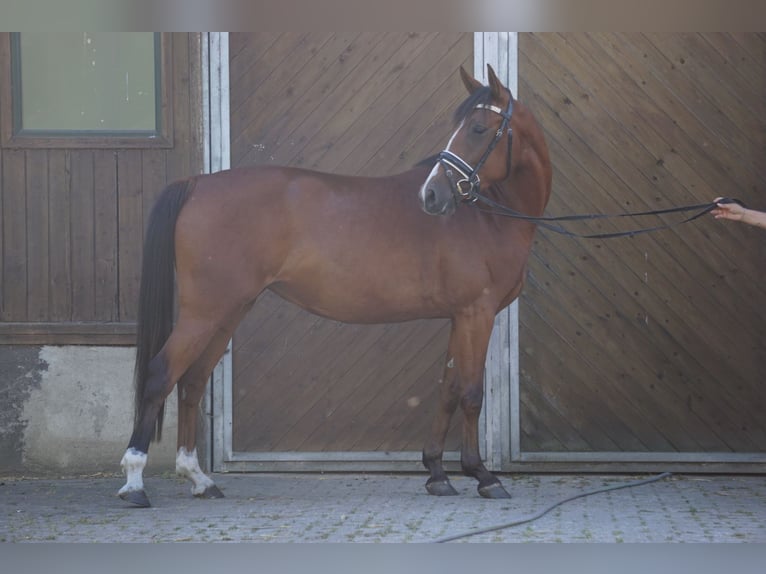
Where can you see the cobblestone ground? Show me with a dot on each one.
(385, 508)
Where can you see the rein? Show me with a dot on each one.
(467, 189)
(545, 221)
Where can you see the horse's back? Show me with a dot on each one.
(346, 247)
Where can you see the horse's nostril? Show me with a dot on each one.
(430, 197)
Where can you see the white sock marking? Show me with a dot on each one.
(187, 465)
(133, 463)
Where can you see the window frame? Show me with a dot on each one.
(10, 137)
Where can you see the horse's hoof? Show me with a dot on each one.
(136, 497)
(494, 491)
(211, 491)
(440, 488)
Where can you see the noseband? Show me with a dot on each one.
(467, 187)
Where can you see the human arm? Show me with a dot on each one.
(736, 212)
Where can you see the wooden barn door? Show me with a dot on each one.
(308, 390)
(651, 350)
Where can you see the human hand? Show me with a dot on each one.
(731, 210)
(734, 210)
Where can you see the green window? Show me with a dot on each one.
(88, 85)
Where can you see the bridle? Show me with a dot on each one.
(467, 188)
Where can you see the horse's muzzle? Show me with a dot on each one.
(435, 203)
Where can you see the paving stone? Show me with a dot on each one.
(385, 508)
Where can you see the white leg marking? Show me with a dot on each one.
(187, 465)
(133, 463)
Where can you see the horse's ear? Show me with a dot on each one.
(495, 84)
(471, 83)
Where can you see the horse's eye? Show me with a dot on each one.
(479, 129)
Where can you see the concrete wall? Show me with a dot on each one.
(69, 411)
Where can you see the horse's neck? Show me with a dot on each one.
(528, 186)
(521, 196)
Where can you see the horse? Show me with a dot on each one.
(353, 249)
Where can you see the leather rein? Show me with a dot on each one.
(467, 190)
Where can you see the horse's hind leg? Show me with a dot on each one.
(184, 346)
(438, 484)
(191, 388)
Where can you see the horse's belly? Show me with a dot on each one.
(358, 303)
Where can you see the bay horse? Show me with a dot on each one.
(352, 249)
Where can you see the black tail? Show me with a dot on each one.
(155, 300)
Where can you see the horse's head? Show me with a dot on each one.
(478, 153)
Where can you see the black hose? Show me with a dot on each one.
(551, 507)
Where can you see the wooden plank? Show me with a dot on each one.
(270, 134)
(610, 347)
(261, 324)
(372, 94)
(619, 256)
(678, 341)
(752, 44)
(280, 129)
(6, 105)
(61, 235)
(730, 61)
(397, 106)
(723, 132)
(433, 138)
(681, 121)
(687, 53)
(270, 348)
(581, 386)
(744, 179)
(153, 181)
(130, 227)
(404, 89)
(195, 144)
(706, 247)
(37, 239)
(398, 414)
(105, 236)
(77, 333)
(307, 333)
(543, 427)
(2, 230)
(347, 407)
(605, 136)
(179, 159)
(251, 69)
(410, 111)
(83, 243)
(14, 236)
(684, 183)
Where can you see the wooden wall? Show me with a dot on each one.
(71, 228)
(656, 343)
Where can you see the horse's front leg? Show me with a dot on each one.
(473, 332)
(464, 385)
(438, 484)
